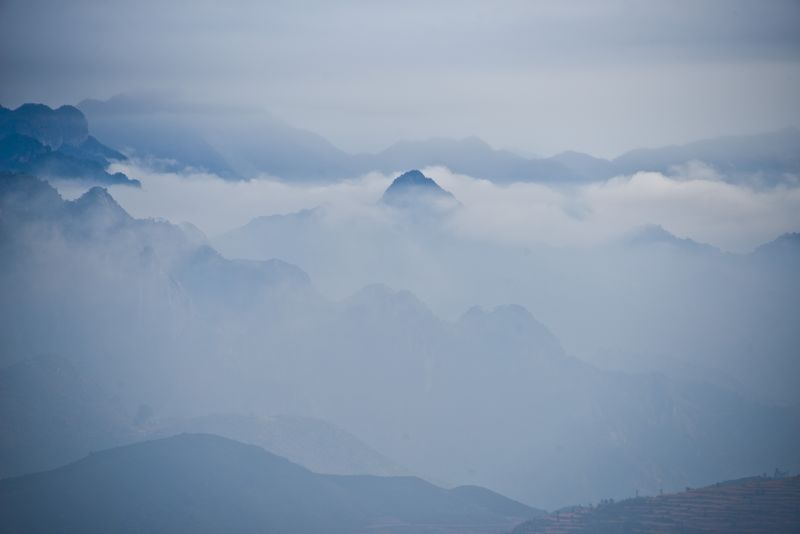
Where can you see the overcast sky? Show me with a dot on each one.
(537, 77)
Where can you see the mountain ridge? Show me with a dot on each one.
(267, 145)
(55, 143)
(211, 484)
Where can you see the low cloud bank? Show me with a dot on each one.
(693, 201)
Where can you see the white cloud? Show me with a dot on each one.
(215, 205)
(693, 202)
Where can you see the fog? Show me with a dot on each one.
(358, 267)
(584, 319)
(693, 202)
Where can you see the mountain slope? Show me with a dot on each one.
(470, 156)
(313, 443)
(759, 159)
(740, 506)
(204, 483)
(232, 142)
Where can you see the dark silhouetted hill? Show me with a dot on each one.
(414, 190)
(750, 505)
(205, 483)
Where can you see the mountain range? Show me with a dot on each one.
(238, 143)
(55, 143)
(163, 320)
(233, 143)
(650, 301)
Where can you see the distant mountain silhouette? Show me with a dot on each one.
(655, 234)
(56, 143)
(313, 443)
(205, 483)
(786, 246)
(470, 156)
(413, 189)
(750, 505)
(232, 142)
(160, 318)
(510, 328)
(242, 143)
(758, 159)
(587, 168)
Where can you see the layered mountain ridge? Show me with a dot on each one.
(237, 144)
(162, 319)
(55, 143)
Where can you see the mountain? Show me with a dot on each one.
(236, 143)
(785, 247)
(509, 330)
(492, 399)
(116, 294)
(221, 286)
(655, 234)
(204, 483)
(470, 156)
(313, 443)
(55, 143)
(759, 159)
(232, 142)
(414, 190)
(587, 168)
(753, 505)
(53, 128)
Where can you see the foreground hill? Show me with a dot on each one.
(204, 483)
(745, 505)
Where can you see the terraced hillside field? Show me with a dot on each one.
(747, 505)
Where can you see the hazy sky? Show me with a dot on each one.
(538, 77)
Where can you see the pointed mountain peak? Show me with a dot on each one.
(97, 203)
(413, 178)
(510, 326)
(98, 194)
(650, 234)
(414, 189)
